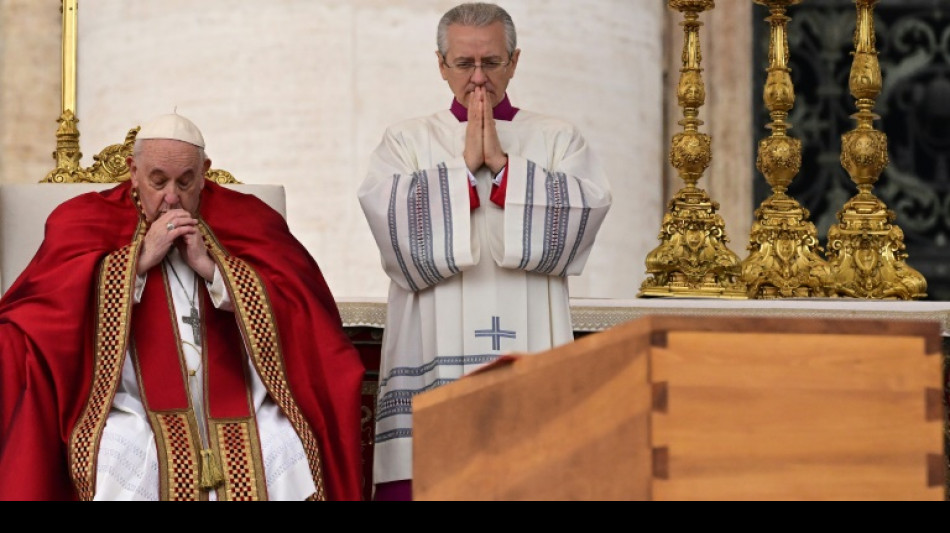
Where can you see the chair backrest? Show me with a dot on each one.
(25, 207)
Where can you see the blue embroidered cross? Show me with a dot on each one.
(496, 333)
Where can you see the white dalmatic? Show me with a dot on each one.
(469, 285)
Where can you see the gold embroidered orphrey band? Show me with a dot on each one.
(235, 442)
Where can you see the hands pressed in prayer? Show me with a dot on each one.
(482, 146)
(179, 228)
(192, 247)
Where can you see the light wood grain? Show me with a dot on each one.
(667, 409)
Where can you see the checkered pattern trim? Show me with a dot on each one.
(253, 309)
(181, 458)
(116, 282)
(238, 463)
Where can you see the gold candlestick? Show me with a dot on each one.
(866, 250)
(67, 154)
(784, 255)
(692, 259)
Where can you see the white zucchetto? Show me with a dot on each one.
(172, 126)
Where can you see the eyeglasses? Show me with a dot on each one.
(467, 66)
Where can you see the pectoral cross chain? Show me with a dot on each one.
(191, 319)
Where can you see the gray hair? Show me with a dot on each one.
(478, 14)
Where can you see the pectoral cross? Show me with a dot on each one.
(194, 321)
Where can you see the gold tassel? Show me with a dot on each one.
(211, 475)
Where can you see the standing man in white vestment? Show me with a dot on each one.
(480, 212)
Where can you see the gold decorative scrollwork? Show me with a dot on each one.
(219, 176)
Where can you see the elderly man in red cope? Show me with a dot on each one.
(171, 340)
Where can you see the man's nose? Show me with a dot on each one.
(478, 76)
(172, 198)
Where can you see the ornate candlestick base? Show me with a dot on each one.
(866, 253)
(692, 259)
(784, 259)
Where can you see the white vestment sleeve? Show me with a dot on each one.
(218, 292)
(419, 217)
(139, 288)
(553, 209)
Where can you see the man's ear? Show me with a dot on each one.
(439, 58)
(514, 61)
(130, 163)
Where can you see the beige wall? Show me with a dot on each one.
(298, 92)
(30, 95)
